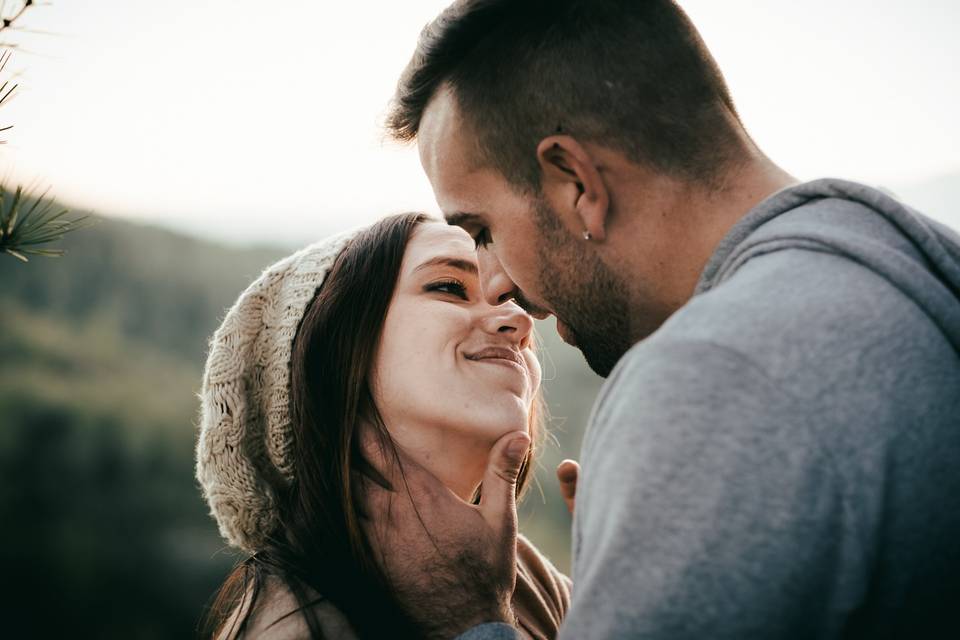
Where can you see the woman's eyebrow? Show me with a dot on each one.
(444, 261)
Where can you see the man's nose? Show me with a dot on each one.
(496, 285)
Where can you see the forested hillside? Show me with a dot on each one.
(104, 531)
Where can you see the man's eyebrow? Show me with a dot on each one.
(461, 218)
(444, 261)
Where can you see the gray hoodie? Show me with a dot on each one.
(781, 459)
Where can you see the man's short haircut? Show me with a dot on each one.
(632, 75)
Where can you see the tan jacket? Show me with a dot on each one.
(540, 601)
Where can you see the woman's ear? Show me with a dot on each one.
(572, 183)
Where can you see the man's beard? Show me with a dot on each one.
(585, 294)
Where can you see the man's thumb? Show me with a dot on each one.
(498, 496)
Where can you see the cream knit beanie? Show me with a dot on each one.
(244, 446)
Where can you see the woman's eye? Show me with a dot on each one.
(482, 239)
(449, 286)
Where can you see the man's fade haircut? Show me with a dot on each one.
(632, 75)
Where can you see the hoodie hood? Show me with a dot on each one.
(917, 255)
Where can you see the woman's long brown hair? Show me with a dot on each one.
(319, 546)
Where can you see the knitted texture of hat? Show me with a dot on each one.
(244, 449)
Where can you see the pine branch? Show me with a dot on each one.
(6, 90)
(27, 224)
(6, 23)
(25, 228)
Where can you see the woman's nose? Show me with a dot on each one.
(496, 285)
(508, 320)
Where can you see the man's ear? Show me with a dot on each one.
(572, 184)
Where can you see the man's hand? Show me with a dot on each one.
(453, 564)
(568, 472)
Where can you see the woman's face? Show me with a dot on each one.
(452, 373)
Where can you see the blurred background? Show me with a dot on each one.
(207, 139)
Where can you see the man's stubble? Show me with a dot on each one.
(585, 294)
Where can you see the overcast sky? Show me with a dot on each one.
(254, 121)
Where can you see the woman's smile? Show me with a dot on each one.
(506, 365)
(503, 356)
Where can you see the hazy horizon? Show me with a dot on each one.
(938, 197)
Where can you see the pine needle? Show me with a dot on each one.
(27, 223)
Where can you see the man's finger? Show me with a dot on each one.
(568, 472)
(498, 499)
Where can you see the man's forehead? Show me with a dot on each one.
(448, 149)
(464, 190)
(439, 124)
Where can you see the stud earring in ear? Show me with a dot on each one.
(587, 235)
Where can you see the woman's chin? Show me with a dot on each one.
(493, 430)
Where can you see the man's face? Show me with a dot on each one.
(524, 250)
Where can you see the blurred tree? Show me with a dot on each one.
(101, 520)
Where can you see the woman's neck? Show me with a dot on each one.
(457, 461)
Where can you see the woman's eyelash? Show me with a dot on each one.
(454, 287)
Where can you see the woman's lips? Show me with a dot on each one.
(498, 355)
